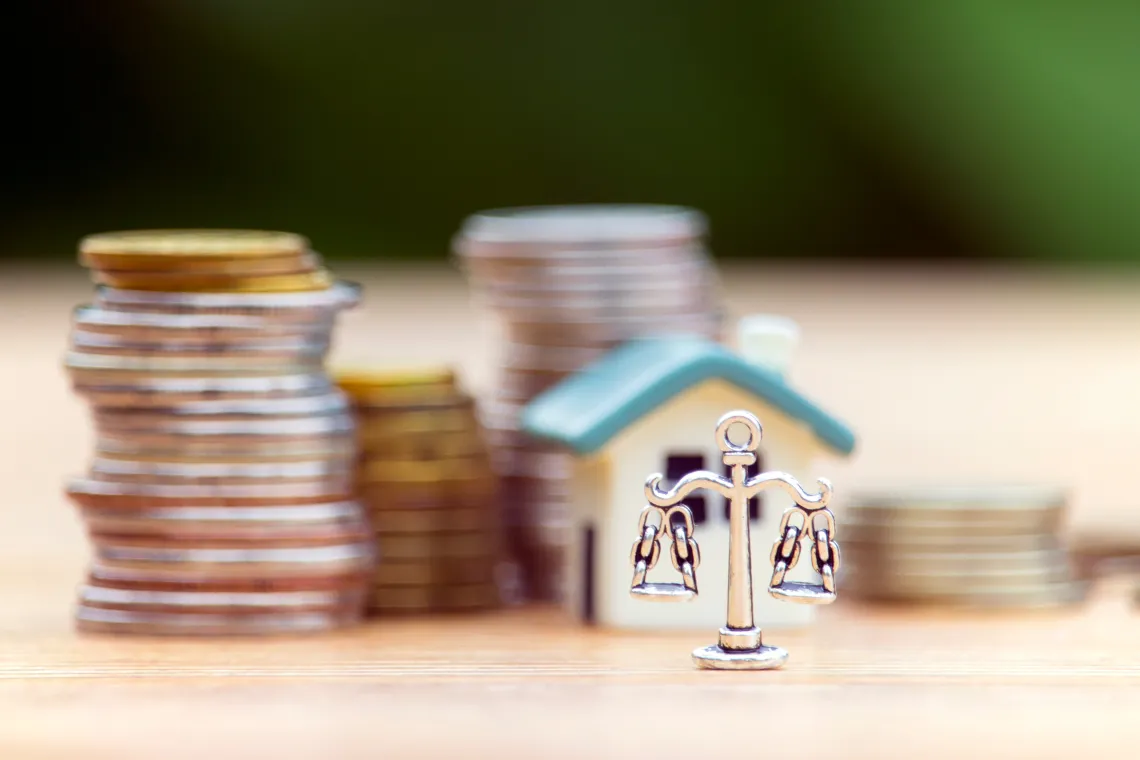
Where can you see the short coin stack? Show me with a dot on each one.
(571, 283)
(997, 547)
(220, 496)
(426, 479)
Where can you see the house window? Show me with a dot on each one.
(676, 467)
(755, 504)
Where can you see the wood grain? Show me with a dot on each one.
(980, 376)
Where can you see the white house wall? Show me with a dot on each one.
(687, 425)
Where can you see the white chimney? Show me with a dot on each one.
(767, 340)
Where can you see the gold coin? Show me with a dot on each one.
(466, 468)
(422, 448)
(422, 598)
(477, 544)
(196, 243)
(434, 572)
(457, 494)
(447, 520)
(284, 283)
(198, 278)
(396, 388)
(205, 266)
(434, 424)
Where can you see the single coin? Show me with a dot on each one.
(291, 362)
(214, 472)
(299, 305)
(99, 494)
(250, 447)
(375, 381)
(445, 520)
(574, 226)
(348, 532)
(236, 449)
(200, 243)
(329, 403)
(440, 425)
(443, 598)
(173, 390)
(204, 328)
(389, 473)
(423, 448)
(189, 523)
(862, 540)
(97, 620)
(96, 342)
(472, 545)
(191, 283)
(221, 602)
(110, 422)
(455, 494)
(247, 557)
(448, 572)
(168, 577)
(117, 271)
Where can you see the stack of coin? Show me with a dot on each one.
(220, 496)
(572, 283)
(994, 547)
(425, 476)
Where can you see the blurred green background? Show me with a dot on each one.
(873, 129)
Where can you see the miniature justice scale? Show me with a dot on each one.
(739, 645)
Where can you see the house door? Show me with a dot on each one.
(588, 575)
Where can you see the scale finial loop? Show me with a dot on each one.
(750, 423)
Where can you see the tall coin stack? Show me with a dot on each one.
(571, 283)
(998, 547)
(220, 496)
(426, 479)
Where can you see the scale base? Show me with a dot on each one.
(718, 658)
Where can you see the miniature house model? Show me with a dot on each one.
(651, 406)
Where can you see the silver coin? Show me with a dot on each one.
(101, 595)
(339, 445)
(214, 471)
(147, 390)
(226, 364)
(857, 540)
(955, 498)
(580, 225)
(277, 555)
(292, 515)
(496, 262)
(246, 426)
(332, 402)
(340, 296)
(200, 328)
(180, 624)
(108, 493)
(95, 342)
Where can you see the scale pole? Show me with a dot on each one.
(740, 601)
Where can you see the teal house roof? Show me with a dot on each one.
(590, 407)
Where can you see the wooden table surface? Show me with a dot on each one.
(946, 378)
